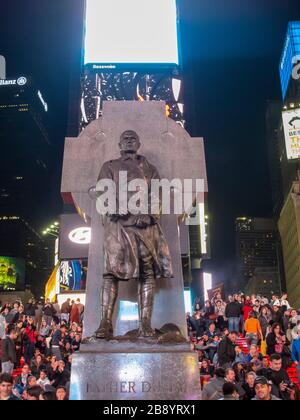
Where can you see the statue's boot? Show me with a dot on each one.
(146, 294)
(109, 296)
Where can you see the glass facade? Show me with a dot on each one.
(290, 55)
(256, 244)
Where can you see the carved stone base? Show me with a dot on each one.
(135, 371)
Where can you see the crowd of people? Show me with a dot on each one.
(38, 339)
(271, 330)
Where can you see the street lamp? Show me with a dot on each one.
(52, 230)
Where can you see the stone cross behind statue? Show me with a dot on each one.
(175, 154)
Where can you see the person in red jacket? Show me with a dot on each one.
(74, 315)
(247, 308)
(29, 340)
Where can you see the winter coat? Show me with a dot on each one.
(233, 310)
(226, 352)
(8, 350)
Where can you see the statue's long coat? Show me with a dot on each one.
(121, 239)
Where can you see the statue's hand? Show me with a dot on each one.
(114, 218)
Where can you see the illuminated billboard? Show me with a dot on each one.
(12, 274)
(291, 124)
(74, 237)
(207, 284)
(71, 276)
(131, 32)
(290, 56)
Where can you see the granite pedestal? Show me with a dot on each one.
(129, 371)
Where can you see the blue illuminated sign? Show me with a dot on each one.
(70, 275)
(290, 56)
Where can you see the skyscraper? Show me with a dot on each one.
(289, 228)
(26, 148)
(274, 144)
(24, 174)
(288, 215)
(256, 246)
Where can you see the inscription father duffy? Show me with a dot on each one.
(124, 387)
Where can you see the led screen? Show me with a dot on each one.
(12, 273)
(71, 276)
(290, 56)
(130, 32)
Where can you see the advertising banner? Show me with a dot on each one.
(217, 289)
(12, 274)
(291, 124)
(130, 32)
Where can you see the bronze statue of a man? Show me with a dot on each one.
(134, 244)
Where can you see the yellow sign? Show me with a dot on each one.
(51, 286)
(291, 124)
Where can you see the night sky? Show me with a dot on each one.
(231, 52)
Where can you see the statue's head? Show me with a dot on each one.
(129, 142)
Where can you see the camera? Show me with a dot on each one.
(290, 385)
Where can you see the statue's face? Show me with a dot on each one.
(129, 142)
